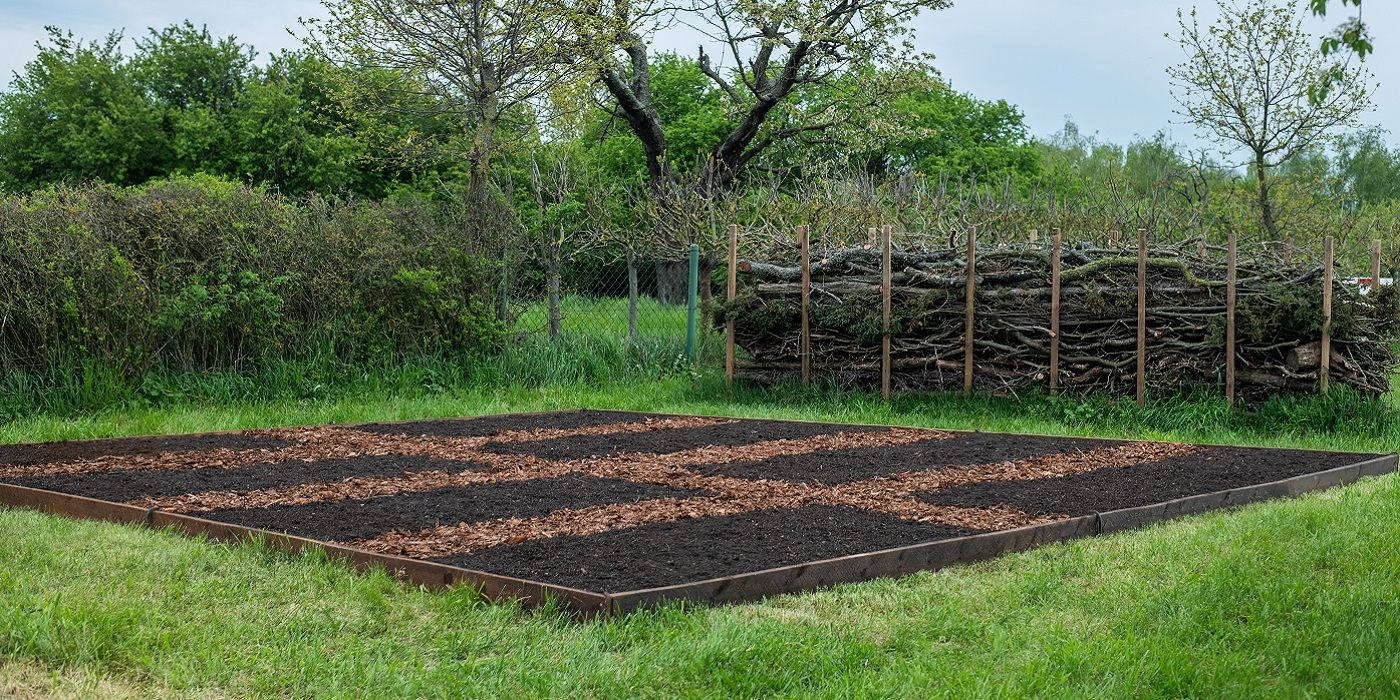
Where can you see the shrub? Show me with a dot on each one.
(199, 274)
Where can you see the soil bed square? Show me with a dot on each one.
(611, 511)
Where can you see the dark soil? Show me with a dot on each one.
(839, 466)
(1217, 469)
(353, 520)
(693, 545)
(46, 452)
(129, 485)
(674, 440)
(690, 550)
(490, 425)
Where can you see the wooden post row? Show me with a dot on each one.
(1375, 265)
(886, 289)
(1142, 318)
(805, 344)
(733, 291)
(1230, 280)
(971, 310)
(1325, 362)
(1055, 311)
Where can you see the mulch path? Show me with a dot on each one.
(855, 463)
(891, 495)
(729, 435)
(127, 485)
(486, 426)
(667, 470)
(14, 456)
(331, 442)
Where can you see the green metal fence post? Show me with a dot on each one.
(693, 303)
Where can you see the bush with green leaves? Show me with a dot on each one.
(199, 274)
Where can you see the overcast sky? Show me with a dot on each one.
(1100, 62)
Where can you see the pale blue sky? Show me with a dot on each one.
(1100, 61)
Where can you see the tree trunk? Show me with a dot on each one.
(672, 278)
(631, 294)
(1266, 206)
(706, 273)
(556, 314)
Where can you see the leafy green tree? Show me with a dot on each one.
(78, 112)
(775, 51)
(290, 128)
(1369, 168)
(691, 111)
(1352, 34)
(953, 134)
(196, 80)
(1250, 81)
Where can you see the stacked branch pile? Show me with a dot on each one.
(1279, 322)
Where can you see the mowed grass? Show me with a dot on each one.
(1287, 598)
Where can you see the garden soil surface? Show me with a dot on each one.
(612, 501)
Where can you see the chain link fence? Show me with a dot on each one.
(608, 313)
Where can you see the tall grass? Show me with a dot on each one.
(592, 350)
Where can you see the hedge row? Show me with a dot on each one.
(200, 274)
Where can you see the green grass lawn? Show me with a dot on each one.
(1287, 598)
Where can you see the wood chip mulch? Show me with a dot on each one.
(892, 495)
(333, 442)
(665, 470)
(466, 538)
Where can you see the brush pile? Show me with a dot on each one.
(1279, 321)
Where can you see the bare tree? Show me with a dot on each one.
(481, 61)
(1252, 80)
(773, 50)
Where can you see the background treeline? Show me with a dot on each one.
(183, 101)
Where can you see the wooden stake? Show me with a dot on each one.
(1113, 239)
(886, 288)
(1142, 318)
(733, 292)
(805, 344)
(1325, 362)
(971, 310)
(1055, 312)
(1201, 247)
(1035, 235)
(1375, 265)
(1230, 281)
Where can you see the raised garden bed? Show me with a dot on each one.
(611, 511)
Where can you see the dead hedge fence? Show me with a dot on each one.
(1128, 317)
